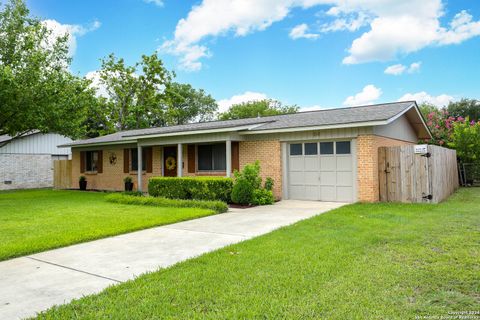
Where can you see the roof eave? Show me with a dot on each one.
(95, 144)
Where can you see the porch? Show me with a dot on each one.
(177, 160)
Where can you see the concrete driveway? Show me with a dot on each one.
(34, 283)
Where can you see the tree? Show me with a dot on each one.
(427, 108)
(253, 109)
(37, 92)
(135, 94)
(465, 108)
(465, 138)
(186, 104)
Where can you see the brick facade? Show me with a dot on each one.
(25, 171)
(367, 163)
(112, 176)
(269, 155)
(267, 152)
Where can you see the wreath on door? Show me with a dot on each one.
(170, 163)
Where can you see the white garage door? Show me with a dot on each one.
(321, 171)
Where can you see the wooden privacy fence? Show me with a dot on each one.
(407, 176)
(62, 174)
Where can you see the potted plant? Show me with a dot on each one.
(82, 181)
(128, 183)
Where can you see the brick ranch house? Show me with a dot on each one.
(326, 155)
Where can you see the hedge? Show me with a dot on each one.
(197, 188)
(217, 206)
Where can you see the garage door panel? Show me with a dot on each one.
(311, 192)
(345, 194)
(324, 176)
(328, 178)
(344, 178)
(344, 163)
(328, 193)
(327, 163)
(297, 178)
(297, 192)
(311, 163)
(296, 163)
(311, 178)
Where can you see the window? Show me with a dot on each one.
(311, 149)
(296, 149)
(134, 157)
(91, 159)
(343, 147)
(212, 157)
(326, 147)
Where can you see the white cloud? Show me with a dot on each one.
(368, 95)
(350, 22)
(405, 30)
(312, 108)
(414, 67)
(97, 83)
(461, 28)
(155, 2)
(398, 69)
(72, 30)
(423, 97)
(301, 31)
(224, 104)
(395, 27)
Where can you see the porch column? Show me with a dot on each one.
(139, 168)
(228, 155)
(179, 160)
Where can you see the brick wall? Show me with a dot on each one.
(267, 152)
(112, 176)
(269, 155)
(26, 171)
(367, 162)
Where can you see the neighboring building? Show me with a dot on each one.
(27, 162)
(327, 155)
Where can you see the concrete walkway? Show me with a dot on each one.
(34, 283)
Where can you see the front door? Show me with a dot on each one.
(170, 161)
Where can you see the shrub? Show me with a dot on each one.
(242, 192)
(216, 206)
(127, 180)
(82, 178)
(197, 188)
(133, 193)
(269, 184)
(247, 188)
(262, 197)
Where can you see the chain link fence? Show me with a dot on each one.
(469, 174)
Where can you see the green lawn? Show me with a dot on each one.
(363, 261)
(37, 220)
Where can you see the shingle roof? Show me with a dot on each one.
(351, 115)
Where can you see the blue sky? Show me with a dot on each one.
(313, 53)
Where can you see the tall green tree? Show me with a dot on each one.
(186, 104)
(259, 108)
(465, 108)
(135, 94)
(37, 92)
